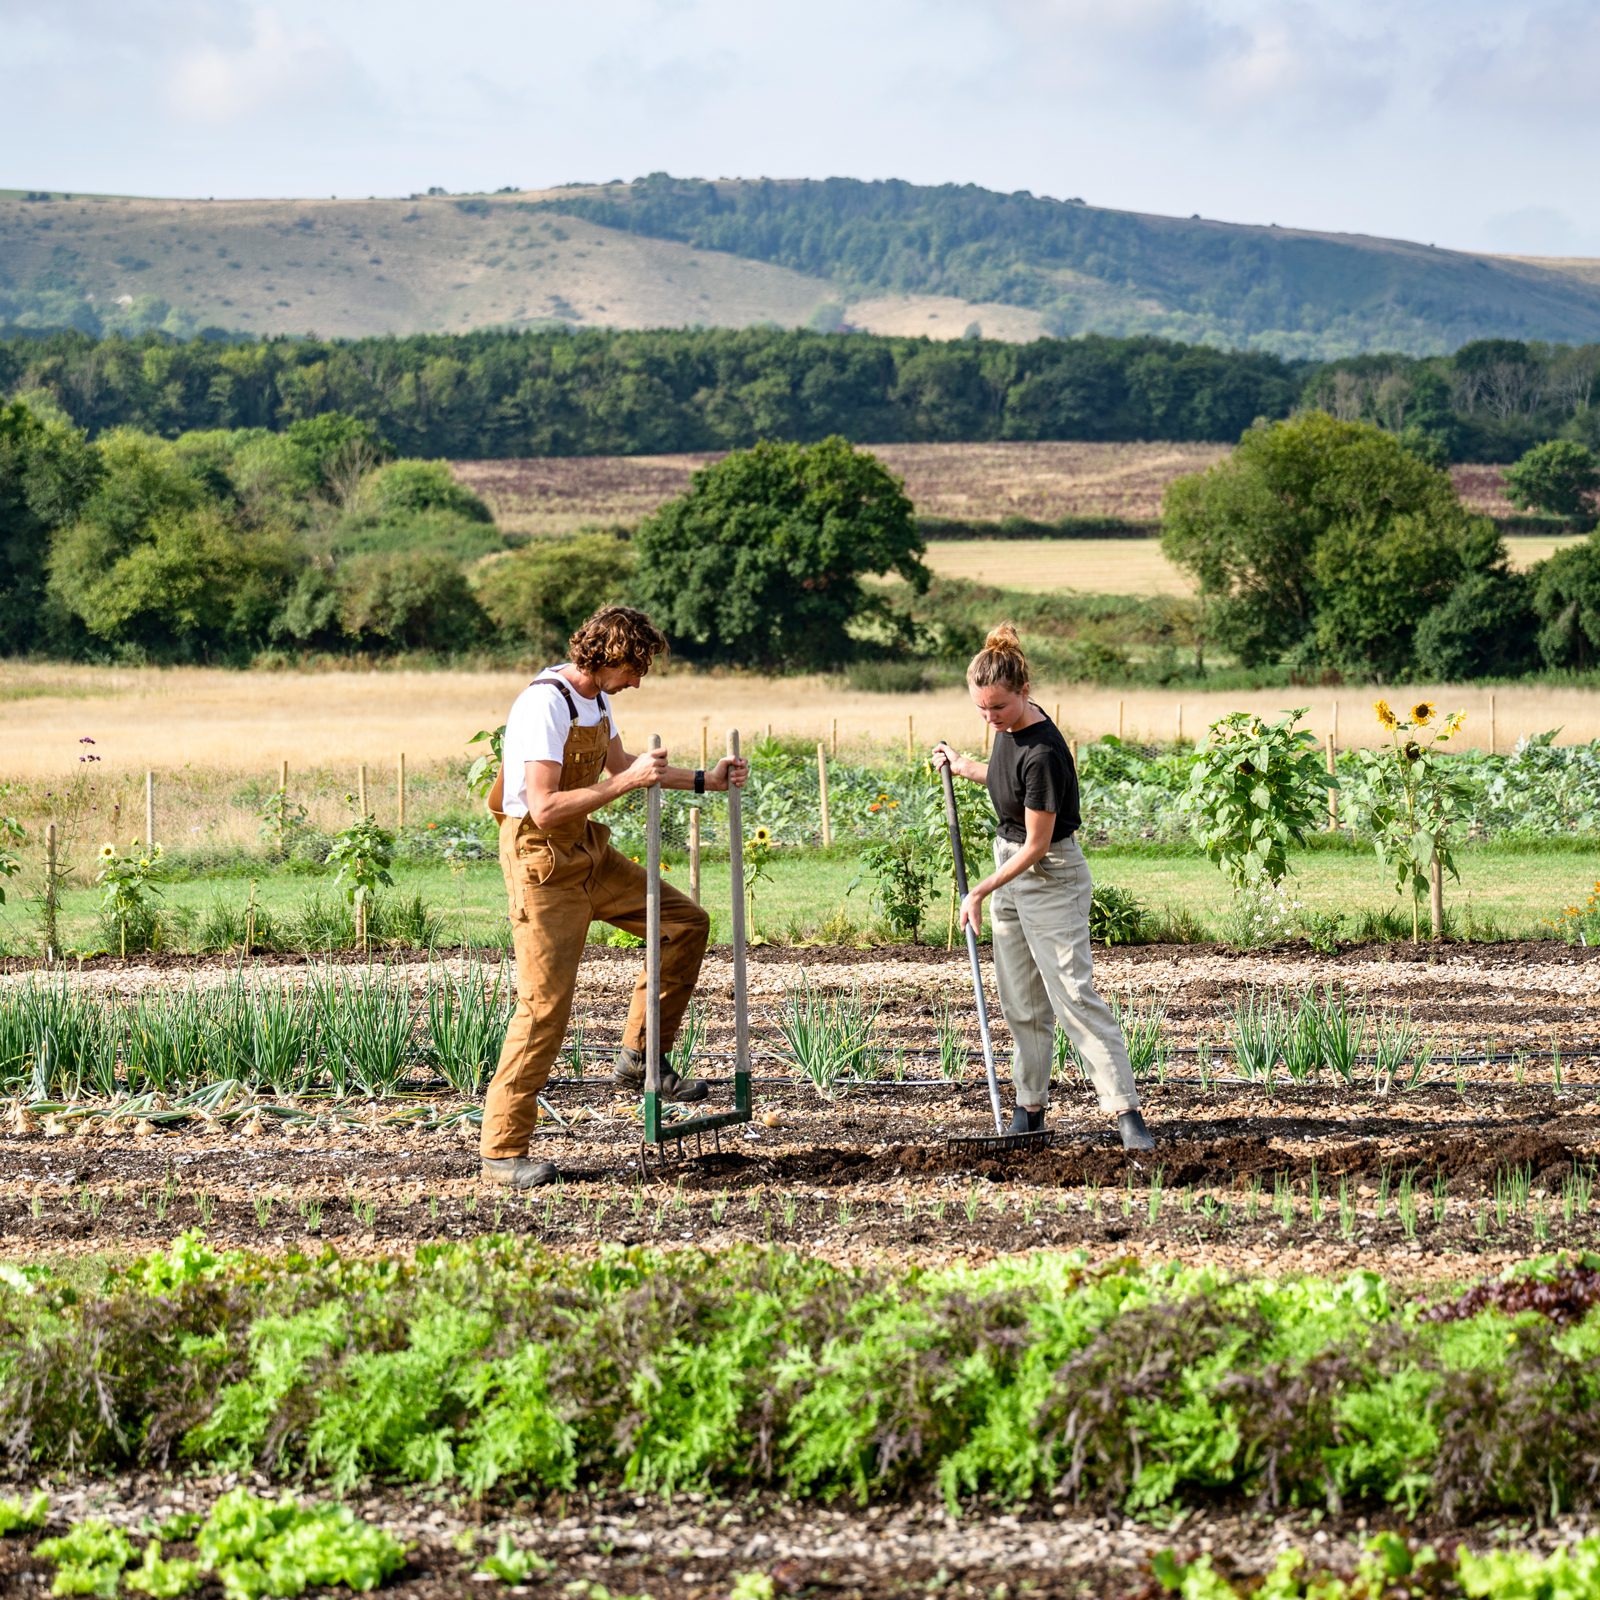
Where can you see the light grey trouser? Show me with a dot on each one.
(1041, 960)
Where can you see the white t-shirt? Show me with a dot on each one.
(537, 729)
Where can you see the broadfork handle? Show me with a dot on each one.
(652, 934)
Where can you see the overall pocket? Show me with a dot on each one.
(532, 865)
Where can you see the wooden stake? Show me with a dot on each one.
(1057, 717)
(400, 793)
(250, 921)
(694, 855)
(1492, 729)
(51, 890)
(1072, 745)
(833, 740)
(1119, 719)
(149, 810)
(986, 741)
(1436, 899)
(1333, 794)
(361, 789)
(705, 743)
(1179, 739)
(1335, 734)
(911, 736)
(822, 793)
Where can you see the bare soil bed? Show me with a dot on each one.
(1491, 1156)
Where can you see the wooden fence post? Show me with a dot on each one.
(822, 793)
(400, 793)
(149, 809)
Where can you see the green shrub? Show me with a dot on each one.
(404, 487)
(538, 595)
(408, 600)
(1485, 629)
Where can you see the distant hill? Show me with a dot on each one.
(885, 257)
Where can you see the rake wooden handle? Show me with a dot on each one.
(952, 819)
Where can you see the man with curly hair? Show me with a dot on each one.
(562, 761)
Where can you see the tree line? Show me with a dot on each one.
(496, 393)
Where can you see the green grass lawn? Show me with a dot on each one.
(1505, 891)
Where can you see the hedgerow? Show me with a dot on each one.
(494, 1366)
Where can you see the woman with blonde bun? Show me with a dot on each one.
(1041, 890)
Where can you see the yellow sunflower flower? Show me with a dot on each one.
(107, 851)
(1385, 716)
(1422, 713)
(761, 837)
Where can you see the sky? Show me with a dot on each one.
(1455, 122)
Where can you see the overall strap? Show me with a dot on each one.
(558, 682)
(551, 676)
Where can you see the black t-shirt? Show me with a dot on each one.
(1031, 770)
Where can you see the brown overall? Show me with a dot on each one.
(558, 881)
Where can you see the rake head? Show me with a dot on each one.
(998, 1143)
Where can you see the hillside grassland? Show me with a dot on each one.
(679, 253)
(346, 268)
(167, 718)
(1121, 484)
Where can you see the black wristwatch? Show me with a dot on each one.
(699, 780)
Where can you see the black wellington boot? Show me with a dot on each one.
(1135, 1136)
(1025, 1121)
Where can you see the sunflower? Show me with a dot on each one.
(1413, 750)
(1385, 715)
(1422, 713)
(107, 852)
(761, 838)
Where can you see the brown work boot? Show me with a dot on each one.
(629, 1075)
(519, 1172)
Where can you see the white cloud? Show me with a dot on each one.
(273, 64)
(1285, 61)
(1548, 66)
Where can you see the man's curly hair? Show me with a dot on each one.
(617, 636)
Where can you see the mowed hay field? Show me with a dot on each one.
(976, 482)
(1116, 566)
(249, 722)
